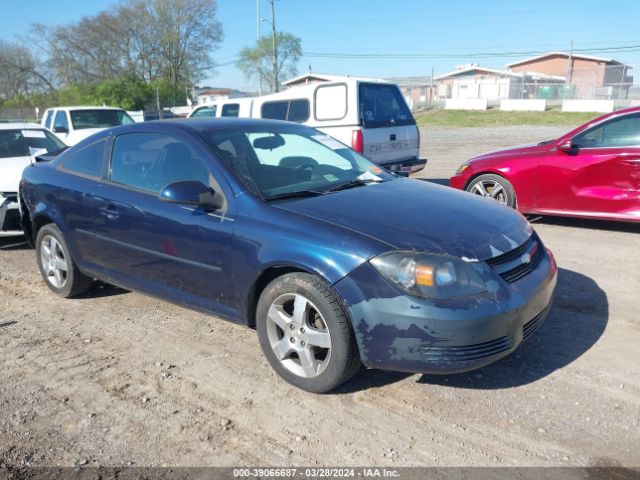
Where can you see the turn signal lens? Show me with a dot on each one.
(429, 275)
(462, 168)
(424, 275)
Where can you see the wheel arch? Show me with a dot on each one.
(268, 275)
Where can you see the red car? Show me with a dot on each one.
(591, 172)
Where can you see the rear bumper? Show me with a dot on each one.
(399, 332)
(406, 166)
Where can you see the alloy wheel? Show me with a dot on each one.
(491, 189)
(298, 335)
(54, 263)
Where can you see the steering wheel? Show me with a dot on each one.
(304, 171)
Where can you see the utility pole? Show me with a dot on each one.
(258, 41)
(275, 51)
(570, 67)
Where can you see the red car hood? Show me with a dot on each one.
(517, 151)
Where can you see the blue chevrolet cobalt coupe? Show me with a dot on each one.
(333, 260)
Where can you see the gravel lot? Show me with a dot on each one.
(118, 378)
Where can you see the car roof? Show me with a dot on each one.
(200, 124)
(20, 125)
(84, 107)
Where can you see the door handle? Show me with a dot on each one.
(110, 211)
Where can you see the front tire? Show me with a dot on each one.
(495, 187)
(305, 333)
(58, 269)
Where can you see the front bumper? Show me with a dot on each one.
(9, 216)
(399, 332)
(458, 181)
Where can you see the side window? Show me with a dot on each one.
(205, 112)
(231, 110)
(150, 161)
(298, 111)
(87, 161)
(331, 102)
(291, 110)
(61, 120)
(619, 132)
(47, 119)
(275, 110)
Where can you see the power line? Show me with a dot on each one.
(468, 55)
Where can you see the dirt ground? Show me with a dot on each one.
(118, 378)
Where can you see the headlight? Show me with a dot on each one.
(429, 275)
(462, 168)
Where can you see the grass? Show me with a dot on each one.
(497, 118)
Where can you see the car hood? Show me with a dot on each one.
(11, 171)
(418, 215)
(515, 151)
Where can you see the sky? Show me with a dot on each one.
(382, 38)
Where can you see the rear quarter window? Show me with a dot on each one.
(382, 105)
(86, 162)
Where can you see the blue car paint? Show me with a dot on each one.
(212, 261)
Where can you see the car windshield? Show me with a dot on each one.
(24, 142)
(99, 118)
(283, 162)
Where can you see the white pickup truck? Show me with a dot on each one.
(368, 115)
(19, 142)
(73, 124)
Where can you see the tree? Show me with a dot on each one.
(19, 76)
(258, 62)
(142, 39)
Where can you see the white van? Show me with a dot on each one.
(369, 116)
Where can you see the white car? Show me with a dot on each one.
(73, 124)
(19, 142)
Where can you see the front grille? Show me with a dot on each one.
(438, 354)
(11, 221)
(517, 263)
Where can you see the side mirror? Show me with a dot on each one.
(192, 192)
(60, 129)
(567, 147)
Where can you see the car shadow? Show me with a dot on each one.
(100, 289)
(14, 243)
(591, 224)
(440, 181)
(578, 318)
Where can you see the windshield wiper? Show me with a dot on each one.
(545, 142)
(356, 182)
(294, 194)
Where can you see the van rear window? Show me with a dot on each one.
(383, 106)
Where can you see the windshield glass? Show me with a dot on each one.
(21, 143)
(279, 162)
(382, 105)
(99, 118)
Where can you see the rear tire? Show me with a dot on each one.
(58, 269)
(495, 187)
(305, 333)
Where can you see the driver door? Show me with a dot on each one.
(599, 176)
